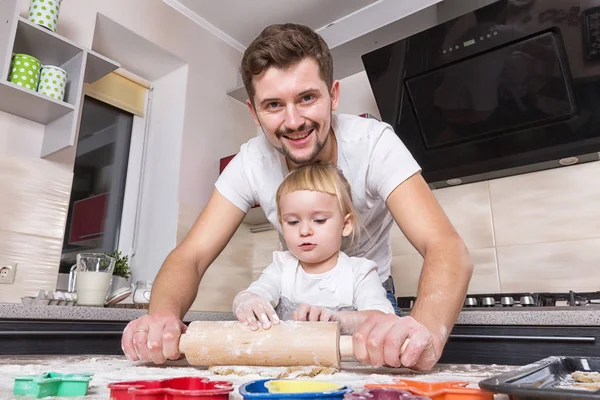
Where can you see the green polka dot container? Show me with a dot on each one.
(25, 71)
(53, 81)
(44, 13)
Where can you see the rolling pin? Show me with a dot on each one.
(290, 343)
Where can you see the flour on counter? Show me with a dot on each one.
(107, 369)
(274, 372)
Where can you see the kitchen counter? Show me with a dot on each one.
(553, 316)
(112, 369)
(29, 311)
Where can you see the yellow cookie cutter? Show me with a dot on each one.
(301, 386)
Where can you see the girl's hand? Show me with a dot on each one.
(306, 312)
(252, 310)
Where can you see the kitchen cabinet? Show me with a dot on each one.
(518, 345)
(44, 329)
(502, 345)
(61, 337)
(60, 117)
(513, 338)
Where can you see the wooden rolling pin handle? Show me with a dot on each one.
(347, 347)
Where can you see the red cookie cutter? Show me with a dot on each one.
(184, 388)
(455, 390)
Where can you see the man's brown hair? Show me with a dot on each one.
(283, 45)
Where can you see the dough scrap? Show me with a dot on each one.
(273, 372)
(586, 377)
(591, 386)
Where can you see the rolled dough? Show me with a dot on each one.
(587, 380)
(586, 377)
(273, 372)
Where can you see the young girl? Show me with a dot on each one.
(314, 280)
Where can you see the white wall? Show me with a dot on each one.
(356, 96)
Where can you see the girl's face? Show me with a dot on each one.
(313, 227)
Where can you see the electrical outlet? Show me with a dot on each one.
(7, 273)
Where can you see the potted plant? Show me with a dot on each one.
(122, 271)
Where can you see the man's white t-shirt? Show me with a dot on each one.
(373, 159)
(353, 284)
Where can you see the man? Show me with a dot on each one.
(288, 74)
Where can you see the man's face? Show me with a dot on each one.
(293, 106)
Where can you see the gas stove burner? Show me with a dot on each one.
(526, 301)
(488, 302)
(510, 301)
(471, 302)
(507, 301)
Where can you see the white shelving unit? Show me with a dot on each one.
(31, 105)
(61, 118)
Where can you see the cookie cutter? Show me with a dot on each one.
(52, 384)
(452, 390)
(181, 388)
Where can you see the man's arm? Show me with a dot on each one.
(447, 266)
(351, 320)
(176, 284)
(155, 337)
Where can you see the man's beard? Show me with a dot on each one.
(303, 128)
(314, 127)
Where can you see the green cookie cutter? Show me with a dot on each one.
(52, 384)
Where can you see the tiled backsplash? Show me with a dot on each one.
(531, 232)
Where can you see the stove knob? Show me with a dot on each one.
(470, 302)
(488, 302)
(526, 301)
(507, 301)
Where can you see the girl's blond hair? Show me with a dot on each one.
(325, 178)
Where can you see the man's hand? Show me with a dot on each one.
(153, 338)
(250, 308)
(379, 341)
(306, 312)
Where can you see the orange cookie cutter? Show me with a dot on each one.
(455, 390)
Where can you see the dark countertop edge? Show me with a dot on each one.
(583, 316)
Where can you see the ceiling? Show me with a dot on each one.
(250, 17)
(351, 28)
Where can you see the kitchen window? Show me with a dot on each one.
(107, 170)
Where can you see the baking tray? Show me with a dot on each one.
(549, 378)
